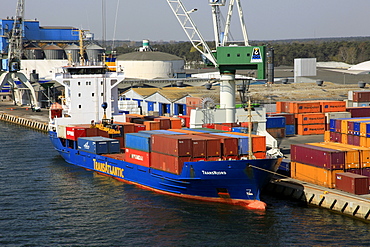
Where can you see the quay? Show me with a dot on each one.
(24, 116)
(357, 206)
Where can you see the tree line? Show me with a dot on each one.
(348, 50)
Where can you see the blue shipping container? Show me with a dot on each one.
(96, 144)
(275, 122)
(290, 130)
(139, 141)
(240, 129)
(114, 146)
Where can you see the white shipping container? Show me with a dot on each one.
(350, 95)
(62, 131)
(334, 115)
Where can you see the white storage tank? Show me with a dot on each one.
(150, 65)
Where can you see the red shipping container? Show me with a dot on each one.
(359, 111)
(73, 133)
(361, 96)
(318, 156)
(164, 123)
(199, 147)
(168, 163)
(212, 146)
(176, 145)
(137, 157)
(89, 131)
(229, 145)
(335, 137)
(126, 127)
(139, 127)
(185, 121)
(352, 183)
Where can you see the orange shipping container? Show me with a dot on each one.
(152, 125)
(332, 106)
(363, 128)
(304, 107)
(344, 139)
(282, 106)
(310, 129)
(175, 123)
(313, 174)
(364, 154)
(352, 156)
(327, 136)
(310, 118)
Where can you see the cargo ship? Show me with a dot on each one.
(88, 130)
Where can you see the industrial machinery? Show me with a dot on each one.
(228, 58)
(12, 65)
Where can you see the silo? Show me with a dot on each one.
(33, 52)
(94, 53)
(150, 65)
(74, 50)
(53, 52)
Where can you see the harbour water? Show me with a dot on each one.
(45, 201)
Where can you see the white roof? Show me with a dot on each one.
(364, 66)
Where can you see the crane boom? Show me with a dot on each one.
(190, 29)
(15, 42)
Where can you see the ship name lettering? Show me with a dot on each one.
(214, 172)
(109, 169)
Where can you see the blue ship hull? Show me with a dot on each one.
(232, 181)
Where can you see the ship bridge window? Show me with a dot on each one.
(79, 83)
(79, 94)
(93, 94)
(79, 106)
(86, 71)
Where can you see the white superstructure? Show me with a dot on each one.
(85, 90)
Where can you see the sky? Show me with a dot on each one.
(154, 20)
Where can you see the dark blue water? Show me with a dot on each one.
(46, 202)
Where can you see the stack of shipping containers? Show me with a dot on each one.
(310, 115)
(343, 160)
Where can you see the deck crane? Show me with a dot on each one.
(13, 67)
(228, 59)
